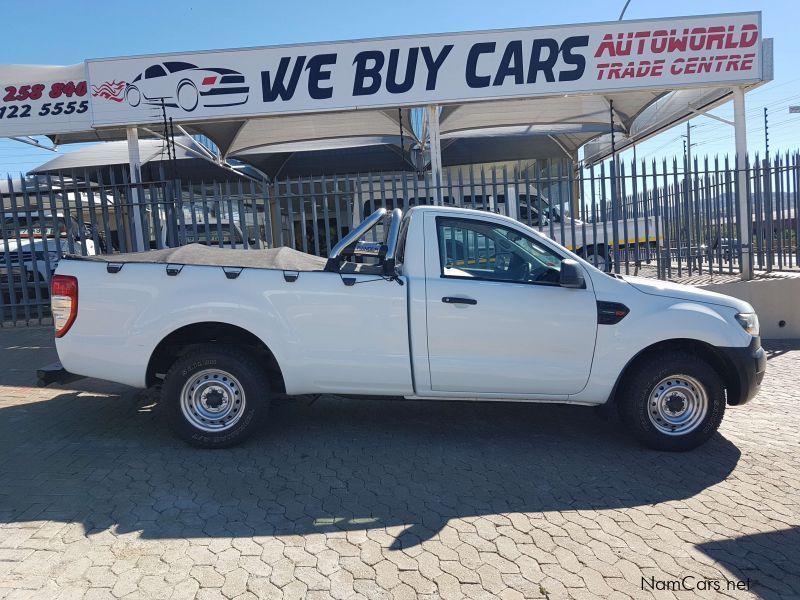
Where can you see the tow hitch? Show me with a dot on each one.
(54, 373)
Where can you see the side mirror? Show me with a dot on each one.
(571, 274)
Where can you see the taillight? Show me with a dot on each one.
(64, 302)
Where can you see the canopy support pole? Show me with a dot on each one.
(435, 150)
(740, 135)
(135, 164)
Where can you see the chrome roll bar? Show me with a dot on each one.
(391, 239)
(335, 256)
(369, 248)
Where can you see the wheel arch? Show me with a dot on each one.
(721, 364)
(183, 339)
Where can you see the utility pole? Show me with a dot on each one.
(688, 146)
(766, 135)
(688, 183)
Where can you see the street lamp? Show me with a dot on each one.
(624, 8)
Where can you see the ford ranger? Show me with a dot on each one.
(452, 304)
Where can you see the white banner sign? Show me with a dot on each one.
(39, 100)
(662, 53)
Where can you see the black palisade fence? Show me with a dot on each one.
(660, 218)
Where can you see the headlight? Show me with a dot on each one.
(749, 322)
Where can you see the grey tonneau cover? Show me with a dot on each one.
(284, 259)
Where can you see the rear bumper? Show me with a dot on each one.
(749, 365)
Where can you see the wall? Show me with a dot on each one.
(775, 300)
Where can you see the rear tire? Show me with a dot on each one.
(674, 401)
(215, 396)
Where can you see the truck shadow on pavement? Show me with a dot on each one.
(110, 463)
(764, 562)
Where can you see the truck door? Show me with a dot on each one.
(498, 321)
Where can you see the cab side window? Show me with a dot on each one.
(462, 248)
(482, 250)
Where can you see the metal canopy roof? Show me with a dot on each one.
(471, 133)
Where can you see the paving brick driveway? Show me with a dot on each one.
(373, 499)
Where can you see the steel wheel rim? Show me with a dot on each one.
(600, 259)
(213, 400)
(677, 405)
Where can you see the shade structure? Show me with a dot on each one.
(112, 157)
(667, 111)
(370, 140)
(268, 131)
(332, 156)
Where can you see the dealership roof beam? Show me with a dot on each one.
(567, 153)
(191, 146)
(705, 113)
(34, 142)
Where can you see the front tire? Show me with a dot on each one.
(215, 396)
(674, 401)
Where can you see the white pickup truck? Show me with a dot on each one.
(459, 305)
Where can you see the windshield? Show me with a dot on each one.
(532, 250)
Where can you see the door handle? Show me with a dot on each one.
(456, 300)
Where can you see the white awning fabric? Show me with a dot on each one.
(666, 112)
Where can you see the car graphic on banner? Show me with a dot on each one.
(187, 86)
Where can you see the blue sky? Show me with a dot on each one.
(57, 32)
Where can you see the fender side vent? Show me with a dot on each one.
(173, 270)
(611, 313)
(232, 272)
(114, 267)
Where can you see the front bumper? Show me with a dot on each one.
(749, 365)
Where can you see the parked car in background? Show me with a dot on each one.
(31, 244)
(213, 232)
